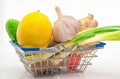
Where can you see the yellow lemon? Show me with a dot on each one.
(34, 30)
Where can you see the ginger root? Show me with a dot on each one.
(88, 22)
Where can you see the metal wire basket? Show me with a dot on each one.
(50, 61)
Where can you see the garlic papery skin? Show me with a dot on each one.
(65, 28)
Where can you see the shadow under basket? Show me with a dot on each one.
(50, 61)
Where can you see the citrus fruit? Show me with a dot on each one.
(34, 30)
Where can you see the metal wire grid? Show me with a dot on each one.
(40, 66)
(37, 67)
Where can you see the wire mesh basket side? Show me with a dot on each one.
(50, 61)
(58, 63)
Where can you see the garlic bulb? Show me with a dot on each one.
(65, 28)
(88, 22)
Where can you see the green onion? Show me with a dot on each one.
(110, 36)
(81, 36)
(95, 34)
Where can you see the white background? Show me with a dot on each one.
(106, 12)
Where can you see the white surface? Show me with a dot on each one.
(105, 66)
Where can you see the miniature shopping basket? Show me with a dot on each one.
(50, 61)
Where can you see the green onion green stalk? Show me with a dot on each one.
(104, 33)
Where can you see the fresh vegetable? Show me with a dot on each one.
(85, 23)
(65, 28)
(88, 22)
(39, 56)
(92, 33)
(74, 61)
(34, 30)
(110, 36)
(11, 28)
